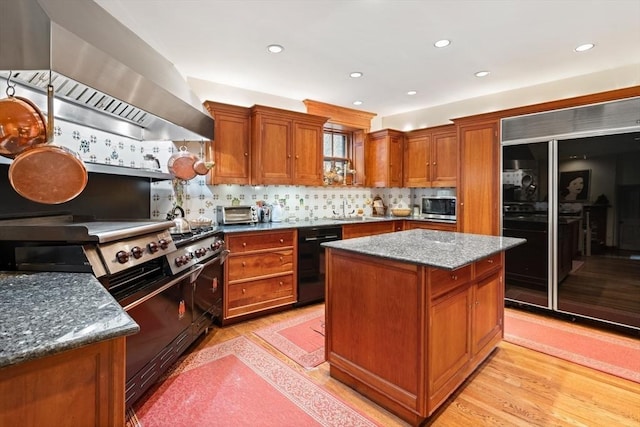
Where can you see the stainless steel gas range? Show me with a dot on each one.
(171, 285)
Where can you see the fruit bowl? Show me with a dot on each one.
(400, 211)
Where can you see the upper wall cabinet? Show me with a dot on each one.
(231, 148)
(286, 147)
(383, 158)
(431, 157)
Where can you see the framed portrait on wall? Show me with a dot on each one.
(574, 185)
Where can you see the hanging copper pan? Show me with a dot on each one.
(22, 125)
(47, 173)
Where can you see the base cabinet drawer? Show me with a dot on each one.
(443, 281)
(258, 241)
(250, 297)
(259, 274)
(250, 266)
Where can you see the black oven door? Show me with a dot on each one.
(207, 295)
(163, 312)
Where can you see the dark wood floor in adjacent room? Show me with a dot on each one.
(514, 387)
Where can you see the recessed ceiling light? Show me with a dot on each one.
(412, 92)
(356, 74)
(442, 43)
(357, 102)
(482, 74)
(584, 47)
(275, 48)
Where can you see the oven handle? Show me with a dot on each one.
(195, 272)
(222, 257)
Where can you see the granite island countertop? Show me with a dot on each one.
(439, 249)
(42, 314)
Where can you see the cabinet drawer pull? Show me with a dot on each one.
(454, 277)
(244, 264)
(244, 291)
(490, 261)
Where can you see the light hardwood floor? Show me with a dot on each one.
(514, 387)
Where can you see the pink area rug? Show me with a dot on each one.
(237, 383)
(300, 338)
(607, 352)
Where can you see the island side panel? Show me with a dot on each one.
(376, 329)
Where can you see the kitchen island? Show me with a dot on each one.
(410, 315)
(62, 351)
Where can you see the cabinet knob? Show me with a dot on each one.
(244, 291)
(281, 240)
(244, 245)
(477, 302)
(297, 157)
(454, 277)
(434, 163)
(281, 283)
(490, 261)
(244, 264)
(246, 154)
(280, 259)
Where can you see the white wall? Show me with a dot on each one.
(603, 81)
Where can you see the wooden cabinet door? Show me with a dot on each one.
(479, 177)
(231, 148)
(448, 349)
(417, 160)
(358, 157)
(307, 167)
(487, 311)
(350, 231)
(444, 159)
(273, 149)
(376, 158)
(396, 153)
(383, 158)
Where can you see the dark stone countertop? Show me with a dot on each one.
(321, 222)
(42, 314)
(439, 249)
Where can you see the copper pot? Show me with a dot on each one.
(181, 164)
(22, 126)
(47, 173)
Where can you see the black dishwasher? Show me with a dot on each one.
(311, 261)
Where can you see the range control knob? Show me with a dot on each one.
(136, 251)
(153, 247)
(163, 243)
(200, 252)
(122, 257)
(182, 260)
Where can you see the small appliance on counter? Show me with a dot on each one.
(226, 215)
(276, 212)
(439, 208)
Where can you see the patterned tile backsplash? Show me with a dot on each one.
(199, 199)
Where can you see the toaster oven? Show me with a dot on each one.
(227, 215)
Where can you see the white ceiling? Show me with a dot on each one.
(521, 42)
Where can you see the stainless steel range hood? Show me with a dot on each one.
(104, 76)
